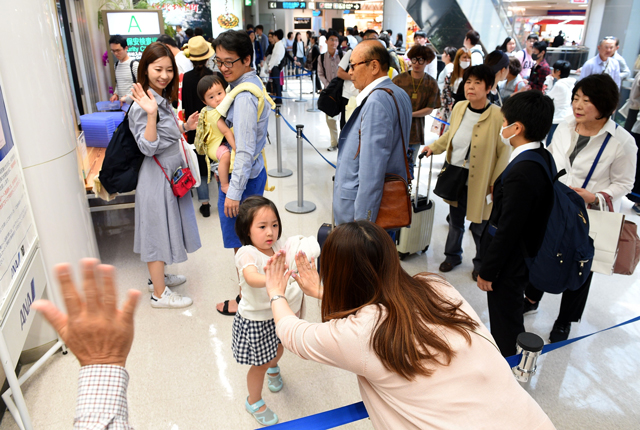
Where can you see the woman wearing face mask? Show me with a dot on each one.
(460, 64)
(165, 227)
(472, 142)
(574, 146)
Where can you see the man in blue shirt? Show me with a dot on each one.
(604, 61)
(234, 52)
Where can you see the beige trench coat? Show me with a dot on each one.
(488, 157)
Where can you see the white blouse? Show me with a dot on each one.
(616, 171)
(255, 304)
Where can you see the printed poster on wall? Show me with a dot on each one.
(17, 228)
(192, 14)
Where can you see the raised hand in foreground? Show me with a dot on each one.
(95, 330)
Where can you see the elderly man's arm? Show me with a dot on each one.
(100, 336)
(377, 144)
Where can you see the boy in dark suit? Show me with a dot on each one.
(522, 203)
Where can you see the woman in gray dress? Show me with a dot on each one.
(165, 226)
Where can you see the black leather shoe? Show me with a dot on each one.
(447, 267)
(205, 210)
(559, 332)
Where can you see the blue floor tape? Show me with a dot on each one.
(357, 411)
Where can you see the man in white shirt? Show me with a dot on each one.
(273, 66)
(603, 62)
(472, 43)
(126, 69)
(624, 69)
(184, 64)
(349, 92)
(353, 42)
(322, 41)
(420, 37)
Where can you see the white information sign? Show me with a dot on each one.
(17, 227)
(133, 23)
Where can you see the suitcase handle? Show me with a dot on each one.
(420, 157)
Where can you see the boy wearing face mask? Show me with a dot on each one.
(522, 202)
(541, 70)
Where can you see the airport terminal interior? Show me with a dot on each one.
(183, 374)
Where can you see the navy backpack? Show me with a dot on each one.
(565, 257)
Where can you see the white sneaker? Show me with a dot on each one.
(170, 300)
(169, 281)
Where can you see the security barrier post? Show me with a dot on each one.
(314, 108)
(279, 172)
(300, 206)
(301, 99)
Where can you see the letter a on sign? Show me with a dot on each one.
(134, 23)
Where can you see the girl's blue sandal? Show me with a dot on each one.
(266, 417)
(275, 382)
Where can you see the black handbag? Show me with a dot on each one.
(452, 180)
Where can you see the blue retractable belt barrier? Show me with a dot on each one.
(289, 76)
(305, 138)
(438, 119)
(515, 359)
(357, 411)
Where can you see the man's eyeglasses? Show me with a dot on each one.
(228, 64)
(353, 66)
(417, 60)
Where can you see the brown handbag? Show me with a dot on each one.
(628, 245)
(395, 206)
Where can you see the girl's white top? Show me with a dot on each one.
(255, 301)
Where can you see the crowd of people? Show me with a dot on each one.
(420, 342)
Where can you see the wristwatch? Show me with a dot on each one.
(276, 297)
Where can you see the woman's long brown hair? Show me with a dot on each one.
(359, 266)
(152, 53)
(458, 71)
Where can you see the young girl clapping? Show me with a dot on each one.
(254, 332)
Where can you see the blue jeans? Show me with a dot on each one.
(203, 190)
(453, 246)
(254, 187)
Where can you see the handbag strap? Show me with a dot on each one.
(181, 140)
(404, 146)
(595, 162)
(165, 173)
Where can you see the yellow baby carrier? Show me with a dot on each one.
(209, 137)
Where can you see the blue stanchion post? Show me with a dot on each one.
(279, 172)
(300, 206)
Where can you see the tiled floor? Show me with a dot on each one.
(183, 375)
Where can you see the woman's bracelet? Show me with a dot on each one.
(184, 127)
(276, 297)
